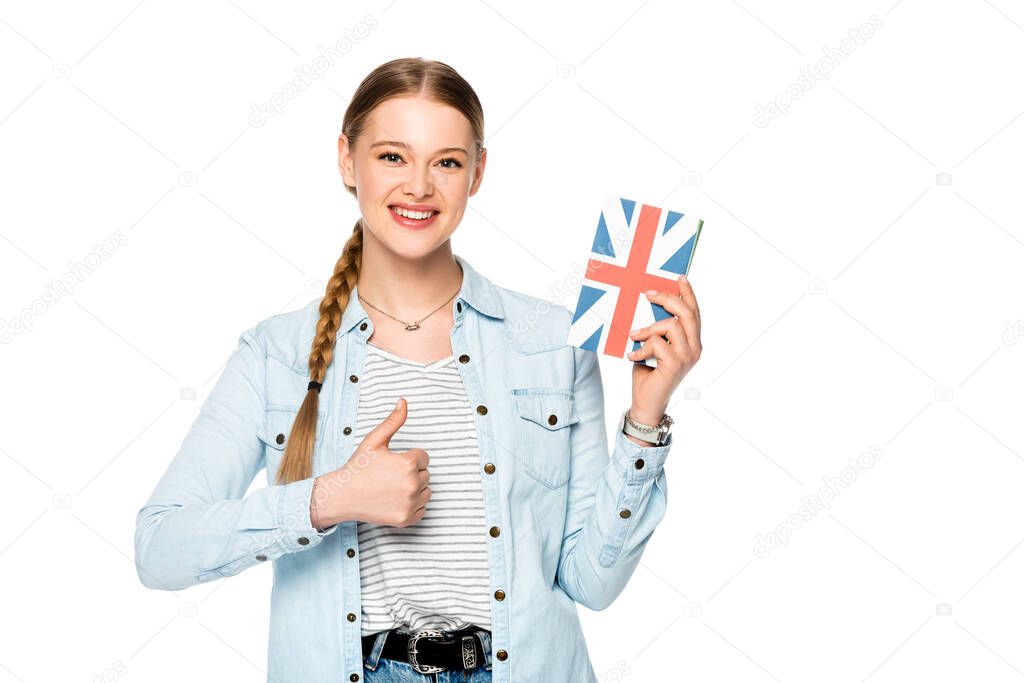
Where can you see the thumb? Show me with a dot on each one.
(382, 433)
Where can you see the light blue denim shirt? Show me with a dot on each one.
(566, 522)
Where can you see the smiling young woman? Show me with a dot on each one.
(441, 494)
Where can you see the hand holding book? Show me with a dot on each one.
(639, 248)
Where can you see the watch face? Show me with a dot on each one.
(662, 436)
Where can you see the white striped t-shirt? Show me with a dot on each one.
(434, 573)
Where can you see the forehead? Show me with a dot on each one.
(421, 123)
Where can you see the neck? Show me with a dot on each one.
(407, 288)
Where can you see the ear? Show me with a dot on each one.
(345, 163)
(478, 173)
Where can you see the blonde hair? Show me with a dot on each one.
(407, 76)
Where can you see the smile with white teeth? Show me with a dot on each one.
(418, 215)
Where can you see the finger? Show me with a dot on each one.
(380, 436)
(672, 303)
(421, 457)
(684, 336)
(692, 329)
(654, 347)
(686, 292)
(668, 327)
(639, 354)
(685, 314)
(682, 332)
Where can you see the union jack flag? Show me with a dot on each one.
(636, 247)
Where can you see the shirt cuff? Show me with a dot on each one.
(298, 532)
(640, 462)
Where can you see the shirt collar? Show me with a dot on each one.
(476, 291)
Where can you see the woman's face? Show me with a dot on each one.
(415, 155)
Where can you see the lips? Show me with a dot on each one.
(422, 208)
(412, 223)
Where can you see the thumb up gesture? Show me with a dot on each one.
(377, 484)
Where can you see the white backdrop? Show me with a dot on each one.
(859, 276)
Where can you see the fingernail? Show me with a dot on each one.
(651, 291)
(683, 277)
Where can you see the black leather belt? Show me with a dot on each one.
(430, 650)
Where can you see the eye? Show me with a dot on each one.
(457, 163)
(398, 157)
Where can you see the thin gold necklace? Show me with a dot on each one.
(415, 325)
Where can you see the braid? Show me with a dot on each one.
(332, 306)
(297, 462)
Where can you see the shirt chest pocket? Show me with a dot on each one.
(542, 441)
(276, 432)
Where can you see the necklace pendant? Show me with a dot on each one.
(409, 327)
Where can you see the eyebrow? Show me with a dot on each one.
(396, 143)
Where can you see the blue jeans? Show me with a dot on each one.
(377, 669)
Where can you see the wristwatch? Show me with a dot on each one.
(656, 435)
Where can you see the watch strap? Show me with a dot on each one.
(657, 434)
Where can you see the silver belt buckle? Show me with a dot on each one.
(411, 648)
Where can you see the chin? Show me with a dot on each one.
(412, 247)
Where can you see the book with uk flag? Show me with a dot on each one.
(636, 247)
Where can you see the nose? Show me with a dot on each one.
(420, 181)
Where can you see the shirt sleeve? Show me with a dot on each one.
(196, 525)
(614, 503)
